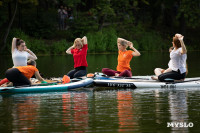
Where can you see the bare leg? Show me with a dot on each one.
(157, 72)
(167, 70)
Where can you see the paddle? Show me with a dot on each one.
(65, 80)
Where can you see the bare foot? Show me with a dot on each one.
(116, 74)
(154, 78)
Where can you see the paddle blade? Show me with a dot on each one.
(66, 79)
(90, 75)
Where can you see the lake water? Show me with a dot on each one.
(59, 65)
(100, 109)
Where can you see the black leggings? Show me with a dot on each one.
(171, 75)
(77, 72)
(16, 77)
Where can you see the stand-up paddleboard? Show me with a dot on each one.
(47, 88)
(101, 76)
(145, 84)
(142, 82)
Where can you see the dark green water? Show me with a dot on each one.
(140, 110)
(100, 109)
(57, 66)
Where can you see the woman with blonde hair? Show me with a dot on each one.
(124, 58)
(177, 65)
(79, 52)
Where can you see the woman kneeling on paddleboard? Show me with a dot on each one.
(124, 58)
(20, 55)
(177, 65)
(79, 51)
(21, 75)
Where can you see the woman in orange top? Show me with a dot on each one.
(21, 75)
(124, 58)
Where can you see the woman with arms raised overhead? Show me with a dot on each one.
(177, 65)
(124, 58)
(79, 52)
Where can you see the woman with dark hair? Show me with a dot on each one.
(177, 65)
(124, 58)
(20, 53)
(21, 75)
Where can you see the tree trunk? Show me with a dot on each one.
(9, 27)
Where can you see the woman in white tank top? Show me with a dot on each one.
(177, 65)
(20, 53)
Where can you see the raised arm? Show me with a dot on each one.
(135, 51)
(32, 55)
(180, 37)
(14, 41)
(68, 51)
(84, 40)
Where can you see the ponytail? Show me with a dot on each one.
(19, 41)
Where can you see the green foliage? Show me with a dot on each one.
(35, 2)
(44, 24)
(59, 47)
(80, 26)
(143, 40)
(102, 41)
(144, 22)
(72, 3)
(36, 45)
(151, 41)
(191, 12)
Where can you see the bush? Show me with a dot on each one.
(143, 40)
(59, 47)
(38, 46)
(102, 41)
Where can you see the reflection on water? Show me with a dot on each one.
(75, 111)
(178, 109)
(25, 117)
(139, 110)
(125, 111)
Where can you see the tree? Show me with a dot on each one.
(10, 21)
(101, 10)
(189, 14)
